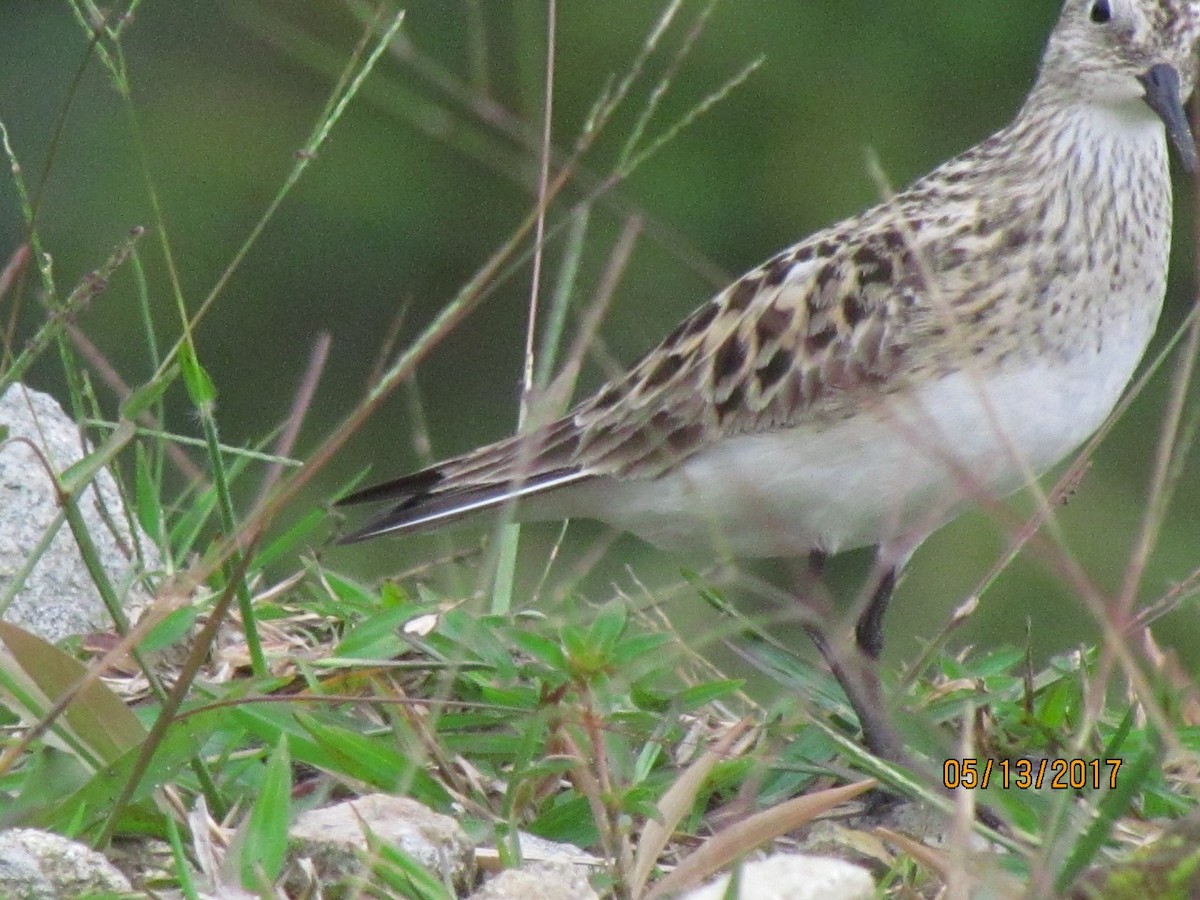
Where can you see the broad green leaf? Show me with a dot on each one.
(97, 717)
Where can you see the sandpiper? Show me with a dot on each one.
(863, 386)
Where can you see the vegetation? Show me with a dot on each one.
(517, 683)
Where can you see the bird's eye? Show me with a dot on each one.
(1101, 12)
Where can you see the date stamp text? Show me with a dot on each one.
(1057, 774)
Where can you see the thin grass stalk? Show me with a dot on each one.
(564, 290)
(229, 522)
(58, 320)
(338, 102)
(488, 111)
(1165, 461)
(16, 580)
(1172, 441)
(356, 72)
(294, 421)
(150, 418)
(539, 234)
(200, 648)
(30, 205)
(510, 536)
(664, 82)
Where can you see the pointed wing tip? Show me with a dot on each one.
(408, 486)
(421, 510)
(362, 534)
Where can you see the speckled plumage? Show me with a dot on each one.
(861, 386)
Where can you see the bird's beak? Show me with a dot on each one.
(1162, 95)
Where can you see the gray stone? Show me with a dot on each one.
(793, 876)
(59, 597)
(38, 865)
(538, 881)
(333, 840)
(536, 849)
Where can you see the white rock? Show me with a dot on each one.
(37, 864)
(333, 838)
(793, 876)
(538, 881)
(59, 597)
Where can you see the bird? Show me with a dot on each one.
(864, 386)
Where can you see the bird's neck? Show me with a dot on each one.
(1128, 122)
(1096, 144)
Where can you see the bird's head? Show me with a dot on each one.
(1120, 53)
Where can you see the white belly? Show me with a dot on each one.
(893, 474)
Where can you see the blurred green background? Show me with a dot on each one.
(417, 187)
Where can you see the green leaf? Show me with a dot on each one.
(575, 641)
(569, 821)
(270, 722)
(607, 628)
(391, 595)
(264, 841)
(478, 638)
(1056, 705)
(547, 767)
(373, 760)
(520, 695)
(175, 626)
(148, 494)
(80, 474)
(638, 646)
(649, 696)
(542, 649)
(403, 874)
(142, 398)
(1130, 777)
(96, 724)
(80, 808)
(200, 387)
(693, 697)
(377, 637)
(347, 590)
(642, 801)
(998, 662)
(49, 775)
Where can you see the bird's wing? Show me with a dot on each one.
(808, 334)
(483, 479)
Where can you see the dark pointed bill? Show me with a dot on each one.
(1162, 95)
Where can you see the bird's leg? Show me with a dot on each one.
(853, 663)
(868, 631)
(857, 677)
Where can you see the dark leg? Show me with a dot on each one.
(853, 664)
(860, 683)
(869, 630)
